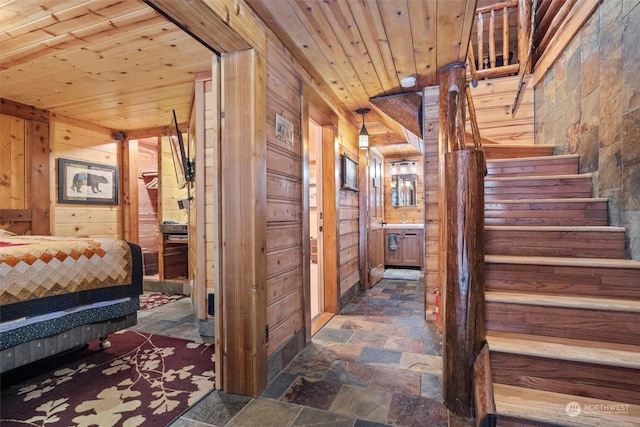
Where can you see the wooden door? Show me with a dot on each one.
(376, 217)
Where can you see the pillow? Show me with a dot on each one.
(6, 233)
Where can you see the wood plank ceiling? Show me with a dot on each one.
(121, 65)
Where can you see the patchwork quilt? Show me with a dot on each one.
(37, 272)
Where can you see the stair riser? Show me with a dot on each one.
(562, 322)
(509, 152)
(565, 376)
(507, 421)
(538, 189)
(532, 168)
(578, 281)
(552, 221)
(545, 243)
(579, 213)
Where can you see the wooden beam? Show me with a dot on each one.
(243, 162)
(129, 178)
(39, 179)
(23, 111)
(404, 108)
(221, 25)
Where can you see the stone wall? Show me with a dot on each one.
(589, 103)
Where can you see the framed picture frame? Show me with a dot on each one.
(87, 183)
(349, 173)
(284, 130)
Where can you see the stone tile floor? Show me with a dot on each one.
(377, 363)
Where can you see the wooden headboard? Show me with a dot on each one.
(16, 220)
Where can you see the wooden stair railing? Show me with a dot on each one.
(486, 35)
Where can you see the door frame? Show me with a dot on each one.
(314, 107)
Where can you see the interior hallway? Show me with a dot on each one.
(376, 363)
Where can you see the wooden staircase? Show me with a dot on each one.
(562, 303)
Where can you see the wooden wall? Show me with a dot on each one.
(412, 214)
(431, 120)
(14, 160)
(148, 194)
(285, 286)
(73, 141)
(348, 217)
(493, 100)
(24, 168)
(284, 201)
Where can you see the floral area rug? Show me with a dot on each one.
(154, 299)
(141, 380)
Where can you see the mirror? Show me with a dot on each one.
(403, 190)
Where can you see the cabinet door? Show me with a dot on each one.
(411, 249)
(393, 257)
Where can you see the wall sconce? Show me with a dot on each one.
(363, 137)
(403, 167)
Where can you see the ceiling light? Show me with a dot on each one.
(363, 137)
(409, 81)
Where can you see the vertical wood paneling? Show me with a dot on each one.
(430, 105)
(12, 162)
(243, 208)
(148, 196)
(75, 142)
(24, 163)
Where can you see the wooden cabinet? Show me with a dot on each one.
(404, 247)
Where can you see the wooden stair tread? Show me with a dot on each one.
(559, 261)
(548, 200)
(568, 228)
(601, 353)
(538, 177)
(534, 158)
(553, 300)
(549, 407)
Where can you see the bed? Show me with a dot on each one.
(58, 293)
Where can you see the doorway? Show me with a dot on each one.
(323, 225)
(315, 219)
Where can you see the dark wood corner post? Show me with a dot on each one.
(463, 240)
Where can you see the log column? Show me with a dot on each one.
(524, 34)
(463, 241)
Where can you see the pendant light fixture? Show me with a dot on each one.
(363, 137)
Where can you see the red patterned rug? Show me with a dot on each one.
(154, 299)
(141, 380)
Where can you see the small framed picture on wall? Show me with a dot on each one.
(87, 183)
(349, 173)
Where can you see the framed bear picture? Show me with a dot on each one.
(87, 183)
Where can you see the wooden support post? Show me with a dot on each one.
(243, 206)
(463, 240)
(524, 33)
(464, 310)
